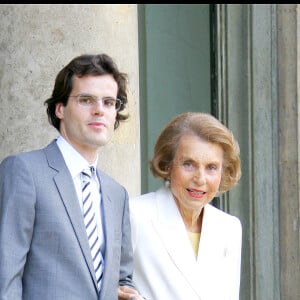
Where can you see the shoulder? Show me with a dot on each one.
(108, 180)
(150, 202)
(23, 168)
(37, 160)
(23, 158)
(142, 201)
(226, 227)
(33, 154)
(223, 217)
(148, 198)
(111, 187)
(142, 206)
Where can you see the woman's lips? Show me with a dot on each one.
(196, 193)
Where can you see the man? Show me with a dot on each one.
(64, 225)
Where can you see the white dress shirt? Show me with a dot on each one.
(76, 163)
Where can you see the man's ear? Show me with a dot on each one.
(59, 110)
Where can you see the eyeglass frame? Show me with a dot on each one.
(97, 99)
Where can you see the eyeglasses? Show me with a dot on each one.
(108, 103)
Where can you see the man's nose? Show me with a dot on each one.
(98, 107)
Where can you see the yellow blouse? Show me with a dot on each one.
(195, 239)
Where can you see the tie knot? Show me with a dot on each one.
(87, 172)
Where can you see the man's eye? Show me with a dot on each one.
(86, 100)
(109, 102)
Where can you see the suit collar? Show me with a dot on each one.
(73, 159)
(54, 156)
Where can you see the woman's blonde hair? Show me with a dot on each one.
(207, 128)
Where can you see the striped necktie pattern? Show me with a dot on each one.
(91, 224)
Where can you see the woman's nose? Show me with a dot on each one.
(199, 176)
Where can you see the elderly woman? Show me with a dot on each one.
(185, 248)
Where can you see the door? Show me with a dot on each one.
(174, 59)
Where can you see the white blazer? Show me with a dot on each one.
(165, 266)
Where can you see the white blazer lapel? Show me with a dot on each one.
(211, 254)
(170, 227)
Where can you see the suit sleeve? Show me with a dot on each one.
(126, 263)
(17, 213)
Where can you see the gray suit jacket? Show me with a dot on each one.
(44, 251)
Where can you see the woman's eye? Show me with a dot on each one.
(189, 166)
(212, 167)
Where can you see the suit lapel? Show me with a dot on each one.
(108, 226)
(212, 251)
(66, 189)
(108, 210)
(170, 227)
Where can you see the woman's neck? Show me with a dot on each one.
(191, 218)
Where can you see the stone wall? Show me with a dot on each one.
(36, 41)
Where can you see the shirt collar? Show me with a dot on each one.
(73, 159)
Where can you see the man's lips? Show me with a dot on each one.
(97, 124)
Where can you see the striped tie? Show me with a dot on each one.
(91, 224)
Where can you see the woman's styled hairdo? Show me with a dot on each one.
(206, 127)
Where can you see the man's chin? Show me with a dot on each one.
(102, 142)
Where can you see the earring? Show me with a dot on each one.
(167, 183)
